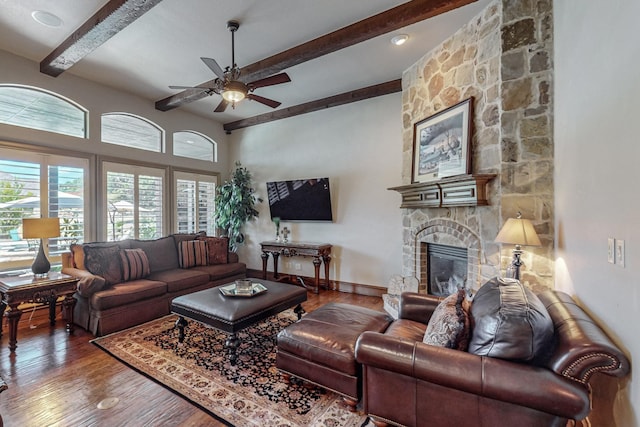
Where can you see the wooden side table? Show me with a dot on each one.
(18, 290)
(320, 252)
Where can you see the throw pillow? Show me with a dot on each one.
(135, 264)
(218, 248)
(449, 324)
(77, 255)
(510, 322)
(104, 261)
(192, 253)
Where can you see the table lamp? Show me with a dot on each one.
(40, 228)
(520, 232)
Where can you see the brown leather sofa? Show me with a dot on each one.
(407, 382)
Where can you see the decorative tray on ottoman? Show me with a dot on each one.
(232, 290)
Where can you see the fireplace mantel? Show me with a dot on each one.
(461, 190)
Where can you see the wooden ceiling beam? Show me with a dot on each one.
(376, 25)
(104, 24)
(320, 104)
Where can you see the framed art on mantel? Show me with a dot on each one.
(442, 144)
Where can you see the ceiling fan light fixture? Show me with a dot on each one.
(234, 91)
(400, 39)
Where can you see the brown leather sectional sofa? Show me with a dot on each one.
(103, 309)
(406, 382)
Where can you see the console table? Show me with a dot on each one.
(17, 290)
(320, 252)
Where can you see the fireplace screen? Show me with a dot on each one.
(446, 268)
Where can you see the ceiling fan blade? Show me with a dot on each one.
(270, 81)
(266, 101)
(222, 106)
(213, 66)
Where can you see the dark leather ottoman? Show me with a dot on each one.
(320, 348)
(232, 314)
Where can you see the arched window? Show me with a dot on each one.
(194, 145)
(131, 131)
(35, 108)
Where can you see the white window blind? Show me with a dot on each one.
(134, 200)
(34, 186)
(195, 206)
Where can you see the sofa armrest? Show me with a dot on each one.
(88, 283)
(417, 307)
(233, 257)
(482, 376)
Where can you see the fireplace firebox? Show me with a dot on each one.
(446, 269)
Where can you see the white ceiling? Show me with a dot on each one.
(164, 46)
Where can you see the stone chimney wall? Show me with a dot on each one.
(502, 58)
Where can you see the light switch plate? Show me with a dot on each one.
(611, 250)
(620, 252)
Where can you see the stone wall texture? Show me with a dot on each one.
(503, 59)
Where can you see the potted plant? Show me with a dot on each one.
(235, 201)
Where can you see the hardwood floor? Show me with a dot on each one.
(57, 379)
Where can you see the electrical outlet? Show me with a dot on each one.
(611, 250)
(620, 252)
(297, 266)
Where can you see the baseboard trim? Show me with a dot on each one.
(346, 287)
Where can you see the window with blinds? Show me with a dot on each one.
(36, 108)
(195, 202)
(40, 186)
(131, 131)
(194, 145)
(134, 200)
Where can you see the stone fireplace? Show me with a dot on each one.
(503, 59)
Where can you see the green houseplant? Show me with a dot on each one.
(235, 205)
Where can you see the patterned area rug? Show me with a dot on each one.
(252, 393)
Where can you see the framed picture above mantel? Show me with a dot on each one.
(442, 144)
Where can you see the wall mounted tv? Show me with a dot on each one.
(300, 200)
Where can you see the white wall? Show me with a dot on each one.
(597, 137)
(359, 147)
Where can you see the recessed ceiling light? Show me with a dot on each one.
(46, 18)
(400, 39)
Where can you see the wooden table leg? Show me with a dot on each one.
(3, 307)
(13, 315)
(68, 304)
(52, 300)
(275, 256)
(265, 259)
(316, 266)
(181, 323)
(232, 345)
(326, 260)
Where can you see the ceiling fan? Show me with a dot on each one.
(229, 85)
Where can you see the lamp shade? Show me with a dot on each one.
(40, 228)
(518, 231)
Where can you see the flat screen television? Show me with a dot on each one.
(300, 200)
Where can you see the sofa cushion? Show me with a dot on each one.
(126, 293)
(88, 283)
(408, 329)
(104, 260)
(181, 237)
(218, 249)
(510, 322)
(161, 253)
(135, 264)
(220, 271)
(180, 279)
(77, 255)
(192, 253)
(449, 324)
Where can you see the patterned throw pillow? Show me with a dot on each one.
(449, 325)
(135, 264)
(192, 253)
(218, 248)
(104, 261)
